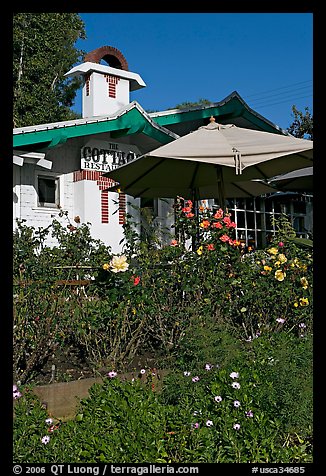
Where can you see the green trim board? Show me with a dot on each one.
(132, 121)
(233, 106)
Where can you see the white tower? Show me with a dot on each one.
(106, 89)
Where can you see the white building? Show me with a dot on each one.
(61, 164)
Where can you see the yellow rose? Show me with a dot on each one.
(200, 251)
(280, 275)
(304, 301)
(272, 251)
(267, 268)
(119, 264)
(106, 266)
(282, 258)
(304, 282)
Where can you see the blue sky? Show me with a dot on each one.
(266, 57)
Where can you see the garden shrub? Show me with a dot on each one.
(215, 419)
(285, 366)
(157, 293)
(272, 289)
(37, 324)
(206, 306)
(275, 391)
(280, 364)
(206, 339)
(43, 309)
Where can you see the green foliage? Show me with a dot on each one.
(302, 126)
(75, 247)
(29, 425)
(46, 313)
(154, 299)
(188, 104)
(215, 413)
(206, 339)
(43, 51)
(284, 363)
(205, 306)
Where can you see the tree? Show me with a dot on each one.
(43, 51)
(199, 103)
(302, 126)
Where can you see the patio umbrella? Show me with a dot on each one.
(220, 161)
(296, 181)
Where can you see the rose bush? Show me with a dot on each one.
(146, 297)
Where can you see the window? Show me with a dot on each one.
(255, 216)
(48, 191)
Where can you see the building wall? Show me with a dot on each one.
(25, 196)
(26, 207)
(112, 93)
(88, 205)
(16, 193)
(81, 193)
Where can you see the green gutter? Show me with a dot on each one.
(264, 126)
(187, 116)
(132, 122)
(231, 109)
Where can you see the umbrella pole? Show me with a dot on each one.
(220, 187)
(195, 238)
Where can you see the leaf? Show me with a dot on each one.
(304, 242)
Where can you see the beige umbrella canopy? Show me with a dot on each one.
(215, 161)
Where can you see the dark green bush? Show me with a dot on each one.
(126, 422)
(149, 304)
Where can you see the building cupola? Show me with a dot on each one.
(106, 87)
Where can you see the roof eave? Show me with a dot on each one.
(240, 107)
(128, 120)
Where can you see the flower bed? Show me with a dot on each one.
(230, 412)
(232, 324)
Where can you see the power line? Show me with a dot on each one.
(288, 97)
(293, 91)
(281, 87)
(285, 101)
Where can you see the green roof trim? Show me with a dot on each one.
(135, 120)
(184, 116)
(130, 122)
(231, 107)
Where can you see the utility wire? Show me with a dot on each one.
(281, 102)
(290, 93)
(277, 89)
(284, 98)
(284, 93)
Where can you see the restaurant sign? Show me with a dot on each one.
(106, 156)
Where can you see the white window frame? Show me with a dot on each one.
(51, 176)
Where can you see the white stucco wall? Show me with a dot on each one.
(26, 207)
(100, 103)
(77, 197)
(87, 204)
(16, 193)
(25, 189)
